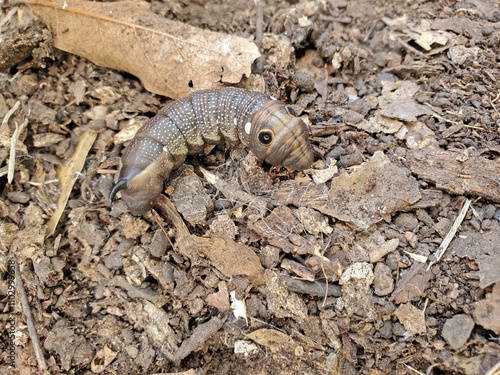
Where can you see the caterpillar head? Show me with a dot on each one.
(279, 137)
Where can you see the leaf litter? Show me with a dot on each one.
(278, 244)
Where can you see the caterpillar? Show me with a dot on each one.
(269, 127)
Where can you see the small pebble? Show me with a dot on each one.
(489, 211)
(475, 223)
(393, 259)
(412, 239)
(383, 282)
(469, 142)
(406, 221)
(18, 197)
(336, 153)
(486, 225)
(158, 244)
(456, 331)
(400, 151)
(386, 330)
(497, 215)
(487, 30)
(398, 329)
(269, 256)
(385, 77)
(113, 261)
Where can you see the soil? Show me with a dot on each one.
(333, 270)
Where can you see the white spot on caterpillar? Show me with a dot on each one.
(248, 126)
(273, 98)
(235, 122)
(165, 149)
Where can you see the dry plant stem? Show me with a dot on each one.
(29, 321)
(259, 22)
(316, 289)
(444, 119)
(451, 234)
(12, 158)
(493, 104)
(259, 34)
(414, 370)
(495, 370)
(4, 170)
(10, 113)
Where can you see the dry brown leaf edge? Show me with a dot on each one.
(169, 57)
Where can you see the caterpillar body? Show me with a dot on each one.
(269, 127)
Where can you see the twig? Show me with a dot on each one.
(33, 183)
(12, 157)
(259, 22)
(430, 368)
(444, 119)
(451, 234)
(494, 369)
(316, 288)
(496, 98)
(4, 170)
(259, 34)
(414, 370)
(493, 103)
(10, 113)
(326, 284)
(29, 321)
(474, 127)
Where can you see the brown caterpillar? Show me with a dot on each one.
(269, 127)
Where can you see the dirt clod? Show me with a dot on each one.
(252, 269)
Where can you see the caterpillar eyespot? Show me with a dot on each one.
(265, 137)
(291, 111)
(186, 125)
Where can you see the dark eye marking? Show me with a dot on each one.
(265, 137)
(291, 111)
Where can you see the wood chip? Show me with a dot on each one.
(457, 172)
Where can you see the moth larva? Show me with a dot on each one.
(269, 127)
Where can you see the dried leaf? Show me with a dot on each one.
(273, 339)
(428, 38)
(486, 310)
(412, 318)
(229, 257)
(484, 248)
(67, 174)
(412, 284)
(169, 57)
